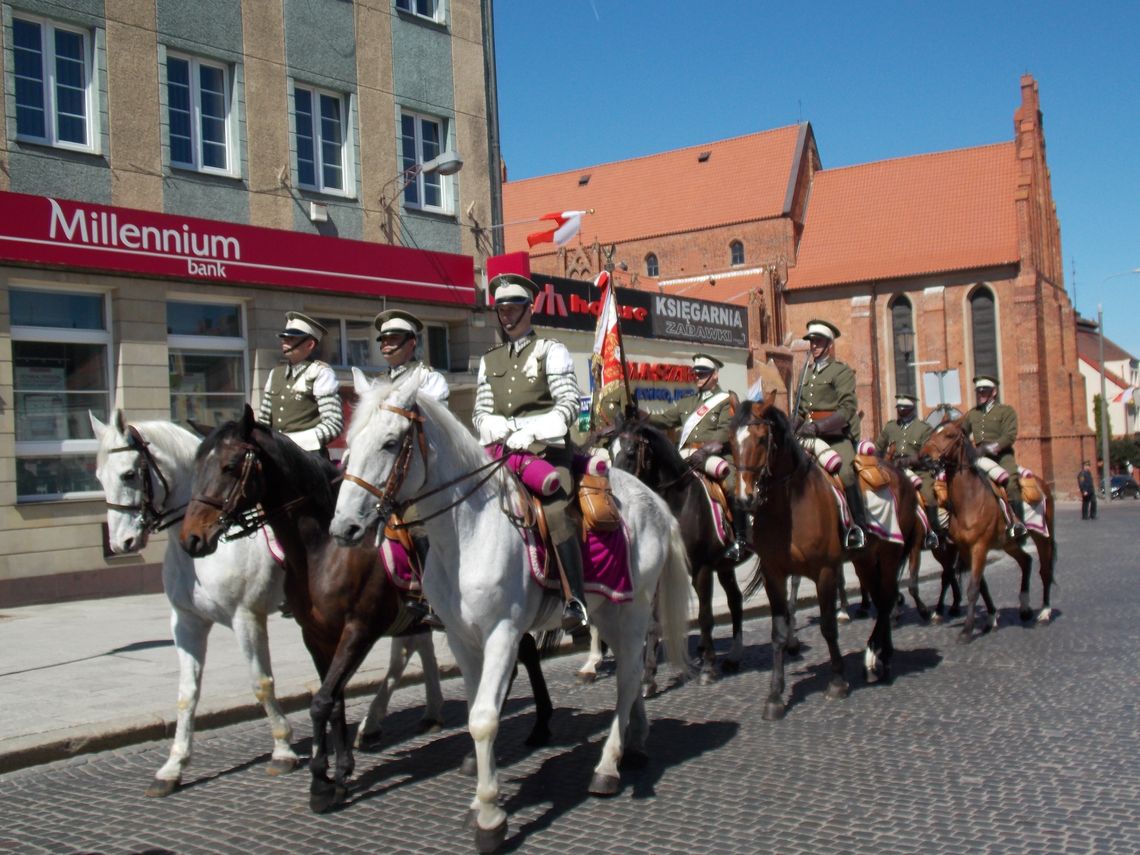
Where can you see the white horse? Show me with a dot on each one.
(478, 576)
(146, 471)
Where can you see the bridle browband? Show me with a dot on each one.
(151, 517)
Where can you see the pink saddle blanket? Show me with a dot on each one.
(605, 564)
(393, 556)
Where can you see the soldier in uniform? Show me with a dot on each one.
(828, 410)
(527, 398)
(399, 334)
(900, 440)
(300, 398)
(993, 428)
(704, 420)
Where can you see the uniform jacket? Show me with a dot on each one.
(997, 424)
(713, 426)
(831, 388)
(907, 439)
(433, 384)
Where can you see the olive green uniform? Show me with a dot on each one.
(712, 429)
(908, 440)
(997, 423)
(831, 388)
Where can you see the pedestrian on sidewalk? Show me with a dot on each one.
(1088, 492)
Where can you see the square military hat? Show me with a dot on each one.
(298, 325)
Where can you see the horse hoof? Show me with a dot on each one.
(368, 741)
(965, 637)
(707, 676)
(634, 759)
(490, 839)
(471, 819)
(160, 788)
(774, 711)
(925, 616)
(648, 689)
(837, 691)
(430, 725)
(730, 666)
(469, 766)
(1026, 615)
(281, 766)
(585, 678)
(862, 613)
(604, 785)
(936, 619)
(539, 736)
(1045, 617)
(954, 611)
(324, 795)
(842, 617)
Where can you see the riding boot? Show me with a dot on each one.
(574, 618)
(932, 539)
(739, 549)
(856, 539)
(420, 608)
(1017, 529)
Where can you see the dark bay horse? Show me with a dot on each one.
(645, 451)
(247, 475)
(796, 532)
(978, 525)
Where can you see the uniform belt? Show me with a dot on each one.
(816, 415)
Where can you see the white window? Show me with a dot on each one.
(322, 134)
(422, 138)
(206, 343)
(53, 74)
(423, 8)
(198, 110)
(61, 368)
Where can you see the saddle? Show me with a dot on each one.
(873, 476)
(1031, 489)
(716, 493)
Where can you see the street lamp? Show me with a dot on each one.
(445, 163)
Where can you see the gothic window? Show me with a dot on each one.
(736, 248)
(983, 330)
(902, 338)
(651, 265)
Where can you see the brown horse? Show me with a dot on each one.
(796, 532)
(247, 475)
(978, 525)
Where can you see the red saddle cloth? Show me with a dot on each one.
(605, 564)
(398, 566)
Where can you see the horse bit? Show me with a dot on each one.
(151, 518)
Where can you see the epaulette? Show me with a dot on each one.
(496, 346)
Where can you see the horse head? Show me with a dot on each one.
(947, 447)
(387, 455)
(645, 452)
(126, 472)
(764, 446)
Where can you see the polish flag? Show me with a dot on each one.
(567, 225)
(609, 362)
(1127, 396)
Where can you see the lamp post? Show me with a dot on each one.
(1104, 483)
(445, 163)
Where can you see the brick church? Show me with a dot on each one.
(935, 267)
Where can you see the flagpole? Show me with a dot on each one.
(630, 400)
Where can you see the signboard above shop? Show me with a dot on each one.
(60, 233)
(575, 305)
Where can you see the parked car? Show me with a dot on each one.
(1124, 487)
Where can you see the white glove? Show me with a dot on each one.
(545, 426)
(492, 429)
(520, 440)
(307, 439)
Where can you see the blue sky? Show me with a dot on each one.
(591, 81)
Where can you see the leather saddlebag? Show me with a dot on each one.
(599, 508)
(873, 475)
(1030, 489)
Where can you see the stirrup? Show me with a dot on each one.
(574, 620)
(1017, 530)
(736, 551)
(931, 541)
(855, 538)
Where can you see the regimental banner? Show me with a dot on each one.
(45, 231)
(575, 305)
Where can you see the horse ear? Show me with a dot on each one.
(199, 428)
(97, 427)
(360, 381)
(248, 420)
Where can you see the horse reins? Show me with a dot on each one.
(151, 518)
(765, 480)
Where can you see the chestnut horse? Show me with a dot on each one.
(796, 532)
(645, 451)
(978, 525)
(247, 475)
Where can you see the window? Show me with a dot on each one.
(351, 343)
(53, 73)
(651, 265)
(61, 368)
(206, 347)
(322, 133)
(736, 250)
(423, 8)
(198, 109)
(422, 139)
(983, 329)
(903, 338)
(437, 353)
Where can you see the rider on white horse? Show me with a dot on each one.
(526, 398)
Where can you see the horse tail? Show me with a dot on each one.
(673, 591)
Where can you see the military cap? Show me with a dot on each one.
(397, 320)
(821, 328)
(513, 288)
(298, 325)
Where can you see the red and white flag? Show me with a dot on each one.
(1126, 396)
(609, 361)
(567, 225)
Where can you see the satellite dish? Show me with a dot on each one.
(943, 413)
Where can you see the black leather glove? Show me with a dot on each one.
(989, 449)
(808, 429)
(833, 425)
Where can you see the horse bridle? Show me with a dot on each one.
(641, 463)
(151, 517)
(765, 479)
(238, 523)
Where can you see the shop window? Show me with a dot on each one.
(422, 139)
(322, 140)
(422, 8)
(52, 67)
(206, 347)
(352, 344)
(198, 112)
(651, 268)
(736, 251)
(983, 331)
(61, 369)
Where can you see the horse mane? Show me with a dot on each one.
(969, 450)
(170, 437)
(785, 437)
(664, 451)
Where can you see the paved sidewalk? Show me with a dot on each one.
(97, 674)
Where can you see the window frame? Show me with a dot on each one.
(197, 164)
(908, 371)
(423, 345)
(62, 335)
(347, 151)
(983, 289)
(48, 85)
(652, 265)
(735, 248)
(420, 180)
(225, 345)
(409, 7)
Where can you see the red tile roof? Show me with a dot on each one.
(1109, 376)
(743, 179)
(910, 216)
(1088, 346)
